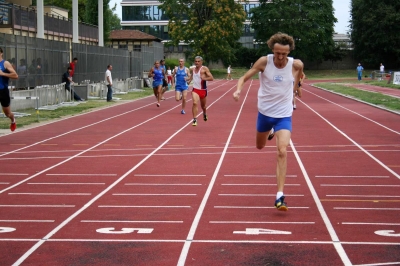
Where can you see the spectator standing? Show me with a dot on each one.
(382, 70)
(359, 71)
(67, 78)
(229, 77)
(6, 72)
(72, 65)
(108, 79)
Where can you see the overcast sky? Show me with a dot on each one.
(342, 13)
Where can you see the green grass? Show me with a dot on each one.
(45, 115)
(379, 99)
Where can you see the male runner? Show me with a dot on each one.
(182, 75)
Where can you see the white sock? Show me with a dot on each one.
(279, 194)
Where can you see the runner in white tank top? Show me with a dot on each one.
(201, 74)
(277, 73)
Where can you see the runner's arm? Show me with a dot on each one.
(9, 67)
(206, 75)
(298, 67)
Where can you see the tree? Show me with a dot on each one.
(92, 15)
(115, 21)
(66, 5)
(375, 27)
(210, 27)
(309, 22)
(336, 53)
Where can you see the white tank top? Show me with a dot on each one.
(197, 82)
(275, 94)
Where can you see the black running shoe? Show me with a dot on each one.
(205, 117)
(280, 204)
(271, 134)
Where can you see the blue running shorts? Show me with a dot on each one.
(266, 123)
(157, 83)
(180, 89)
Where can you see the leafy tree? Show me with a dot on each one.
(375, 27)
(92, 16)
(66, 5)
(210, 27)
(309, 22)
(336, 53)
(115, 21)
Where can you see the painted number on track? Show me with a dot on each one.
(387, 233)
(262, 231)
(111, 230)
(6, 229)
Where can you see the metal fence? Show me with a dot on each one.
(42, 62)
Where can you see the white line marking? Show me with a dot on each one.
(379, 209)
(4, 183)
(84, 174)
(166, 175)
(258, 195)
(336, 242)
(332, 185)
(152, 184)
(139, 194)
(138, 206)
(254, 207)
(370, 223)
(257, 184)
(365, 196)
(196, 220)
(28, 221)
(258, 175)
(378, 264)
(66, 183)
(89, 203)
(52, 194)
(355, 143)
(352, 176)
(39, 206)
(256, 222)
(119, 221)
(12, 174)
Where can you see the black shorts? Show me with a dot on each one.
(164, 83)
(5, 99)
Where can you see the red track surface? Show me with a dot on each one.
(138, 185)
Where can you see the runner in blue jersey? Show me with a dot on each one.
(6, 72)
(182, 75)
(157, 73)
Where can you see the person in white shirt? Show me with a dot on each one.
(278, 73)
(382, 70)
(108, 79)
(229, 77)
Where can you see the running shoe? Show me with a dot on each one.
(194, 122)
(183, 112)
(158, 104)
(13, 126)
(280, 204)
(205, 117)
(294, 107)
(271, 134)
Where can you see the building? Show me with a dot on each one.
(147, 17)
(131, 40)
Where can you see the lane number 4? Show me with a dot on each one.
(262, 231)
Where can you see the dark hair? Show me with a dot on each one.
(1, 50)
(162, 60)
(281, 38)
(68, 68)
(108, 66)
(75, 59)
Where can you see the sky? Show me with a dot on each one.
(342, 13)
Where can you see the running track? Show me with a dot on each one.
(134, 184)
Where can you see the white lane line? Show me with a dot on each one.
(355, 143)
(51, 194)
(356, 223)
(83, 174)
(165, 175)
(66, 183)
(257, 175)
(38, 206)
(379, 264)
(116, 182)
(336, 242)
(119, 221)
(254, 207)
(147, 194)
(373, 121)
(152, 184)
(12, 174)
(138, 206)
(257, 184)
(28, 221)
(4, 183)
(367, 209)
(365, 196)
(196, 220)
(258, 195)
(257, 222)
(354, 176)
(334, 185)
